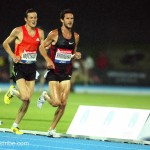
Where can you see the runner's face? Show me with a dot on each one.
(31, 19)
(68, 20)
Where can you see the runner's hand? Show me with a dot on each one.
(16, 59)
(77, 55)
(50, 65)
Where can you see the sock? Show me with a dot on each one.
(12, 92)
(15, 125)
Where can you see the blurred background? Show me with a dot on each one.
(114, 38)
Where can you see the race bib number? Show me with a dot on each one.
(63, 56)
(28, 57)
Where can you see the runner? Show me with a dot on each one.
(63, 50)
(27, 39)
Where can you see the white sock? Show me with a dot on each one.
(12, 92)
(15, 125)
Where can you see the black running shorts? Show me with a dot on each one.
(25, 71)
(52, 76)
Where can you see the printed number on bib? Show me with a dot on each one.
(63, 56)
(28, 57)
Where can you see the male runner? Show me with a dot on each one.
(63, 49)
(27, 39)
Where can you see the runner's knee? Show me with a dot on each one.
(25, 97)
(56, 103)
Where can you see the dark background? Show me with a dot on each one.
(117, 21)
(117, 27)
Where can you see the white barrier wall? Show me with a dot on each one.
(109, 122)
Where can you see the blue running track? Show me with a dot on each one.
(10, 141)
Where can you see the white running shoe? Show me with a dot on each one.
(52, 133)
(41, 100)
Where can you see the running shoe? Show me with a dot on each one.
(52, 133)
(41, 100)
(8, 96)
(16, 130)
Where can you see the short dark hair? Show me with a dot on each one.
(65, 11)
(29, 11)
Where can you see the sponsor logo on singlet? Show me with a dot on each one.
(37, 39)
(70, 43)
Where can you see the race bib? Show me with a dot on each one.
(63, 56)
(28, 57)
